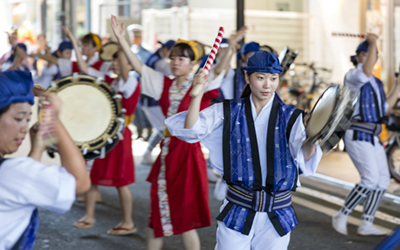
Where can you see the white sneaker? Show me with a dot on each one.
(339, 223)
(367, 228)
(147, 159)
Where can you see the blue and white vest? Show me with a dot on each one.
(239, 82)
(370, 110)
(27, 239)
(242, 168)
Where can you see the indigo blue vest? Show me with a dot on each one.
(239, 83)
(369, 108)
(242, 162)
(27, 239)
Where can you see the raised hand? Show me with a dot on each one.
(118, 29)
(372, 38)
(201, 79)
(237, 36)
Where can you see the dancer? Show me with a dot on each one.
(179, 188)
(25, 183)
(362, 142)
(117, 168)
(257, 143)
(91, 46)
(52, 70)
(159, 62)
(17, 60)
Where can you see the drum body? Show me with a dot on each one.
(331, 116)
(91, 113)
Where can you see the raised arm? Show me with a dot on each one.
(194, 108)
(393, 96)
(48, 58)
(83, 67)
(71, 157)
(371, 58)
(123, 65)
(119, 32)
(227, 56)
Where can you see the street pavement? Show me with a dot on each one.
(56, 232)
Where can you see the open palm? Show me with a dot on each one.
(118, 29)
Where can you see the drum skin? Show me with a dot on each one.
(92, 113)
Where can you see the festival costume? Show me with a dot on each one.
(257, 211)
(179, 186)
(26, 184)
(117, 167)
(364, 147)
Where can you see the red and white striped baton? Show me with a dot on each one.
(196, 89)
(349, 35)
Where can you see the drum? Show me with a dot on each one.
(331, 116)
(108, 50)
(92, 113)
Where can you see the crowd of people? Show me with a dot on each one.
(257, 143)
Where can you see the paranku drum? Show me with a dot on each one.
(330, 116)
(108, 50)
(92, 113)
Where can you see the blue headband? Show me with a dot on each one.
(169, 44)
(65, 44)
(263, 61)
(250, 47)
(15, 87)
(362, 47)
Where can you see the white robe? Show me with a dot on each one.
(208, 130)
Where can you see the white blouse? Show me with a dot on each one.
(26, 184)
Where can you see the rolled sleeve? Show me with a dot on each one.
(297, 138)
(152, 82)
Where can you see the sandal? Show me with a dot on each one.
(122, 231)
(83, 224)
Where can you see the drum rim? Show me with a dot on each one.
(101, 57)
(92, 149)
(337, 90)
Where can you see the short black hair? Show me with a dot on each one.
(3, 110)
(88, 38)
(246, 91)
(183, 50)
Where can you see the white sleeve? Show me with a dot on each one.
(297, 137)
(65, 66)
(31, 182)
(96, 73)
(152, 82)
(209, 119)
(356, 78)
(105, 67)
(215, 82)
(208, 129)
(127, 88)
(5, 66)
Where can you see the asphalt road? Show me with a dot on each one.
(56, 232)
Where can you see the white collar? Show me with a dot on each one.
(267, 106)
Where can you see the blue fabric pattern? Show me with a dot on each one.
(28, 241)
(242, 170)
(240, 83)
(369, 111)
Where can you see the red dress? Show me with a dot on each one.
(96, 65)
(117, 167)
(179, 184)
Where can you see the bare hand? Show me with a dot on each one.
(372, 38)
(53, 99)
(237, 36)
(201, 79)
(118, 29)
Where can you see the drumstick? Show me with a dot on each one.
(349, 35)
(196, 89)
